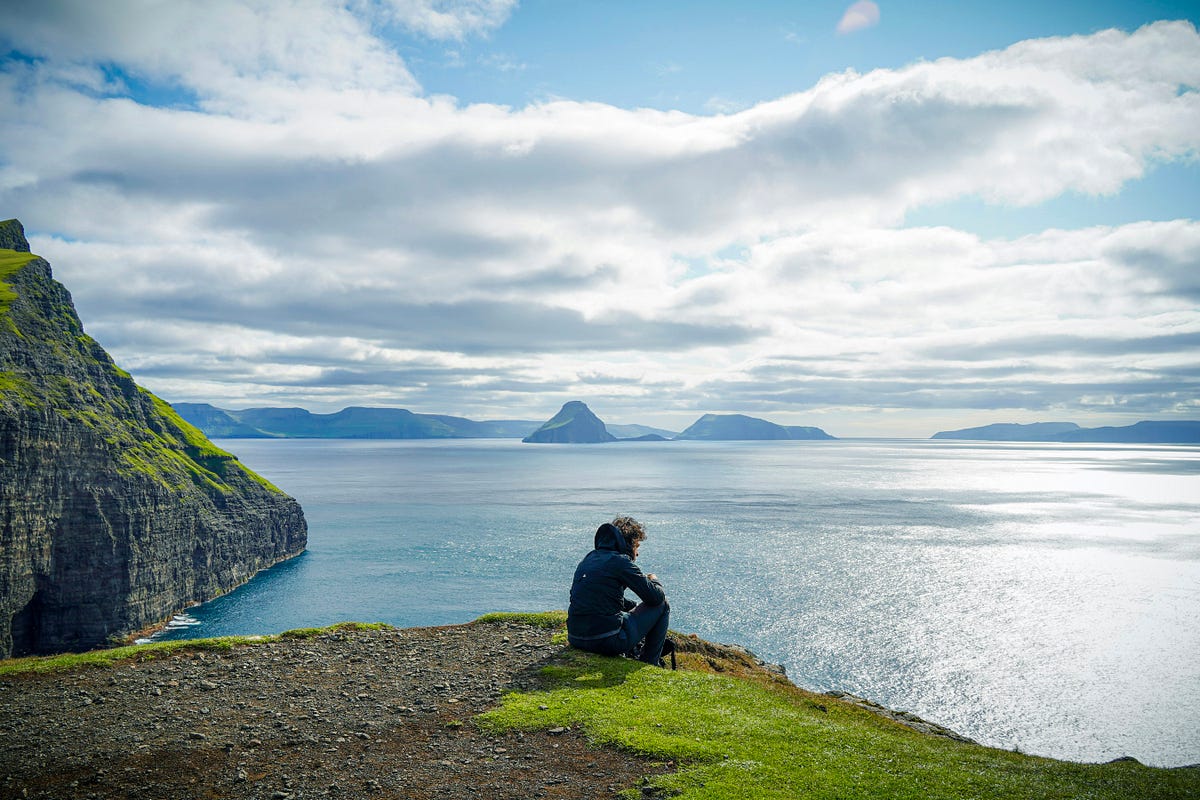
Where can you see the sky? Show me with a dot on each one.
(879, 218)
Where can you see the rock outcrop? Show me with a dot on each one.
(114, 512)
(573, 424)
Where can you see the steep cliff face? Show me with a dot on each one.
(114, 512)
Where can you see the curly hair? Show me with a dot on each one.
(631, 529)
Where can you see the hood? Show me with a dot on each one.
(609, 537)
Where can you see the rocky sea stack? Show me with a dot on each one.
(573, 424)
(114, 512)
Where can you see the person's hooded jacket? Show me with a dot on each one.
(598, 603)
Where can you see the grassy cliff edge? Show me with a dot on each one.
(719, 727)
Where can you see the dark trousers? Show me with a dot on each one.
(644, 622)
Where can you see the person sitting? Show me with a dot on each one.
(600, 619)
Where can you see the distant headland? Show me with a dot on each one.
(1145, 432)
(738, 427)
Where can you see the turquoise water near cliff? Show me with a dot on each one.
(1045, 597)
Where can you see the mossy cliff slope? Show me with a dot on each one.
(114, 512)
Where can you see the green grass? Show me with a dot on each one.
(737, 738)
(115, 655)
(13, 260)
(542, 619)
(308, 633)
(202, 451)
(146, 652)
(14, 385)
(10, 262)
(162, 447)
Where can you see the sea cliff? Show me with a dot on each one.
(114, 512)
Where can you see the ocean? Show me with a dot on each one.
(1044, 597)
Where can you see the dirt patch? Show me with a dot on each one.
(347, 713)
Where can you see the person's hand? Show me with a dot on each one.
(651, 576)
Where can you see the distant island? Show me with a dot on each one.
(1145, 432)
(369, 423)
(349, 423)
(576, 424)
(738, 427)
(573, 424)
(640, 432)
(1011, 432)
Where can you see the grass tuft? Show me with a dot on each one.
(145, 652)
(308, 633)
(543, 619)
(107, 658)
(10, 262)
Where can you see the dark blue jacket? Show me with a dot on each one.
(598, 591)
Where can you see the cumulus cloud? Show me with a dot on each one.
(863, 14)
(230, 56)
(385, 246)
(856, 148)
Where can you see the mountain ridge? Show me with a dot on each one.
(352, 422)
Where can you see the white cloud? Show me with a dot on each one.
(1004, 126)
(451, 19)
(382, 246)
(248, 58)
(724, 105)
(502, 63)
(863, 14)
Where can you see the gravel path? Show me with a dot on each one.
(348, 713)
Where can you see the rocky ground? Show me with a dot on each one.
(345, 713)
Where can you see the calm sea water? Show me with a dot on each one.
(1044, 597)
